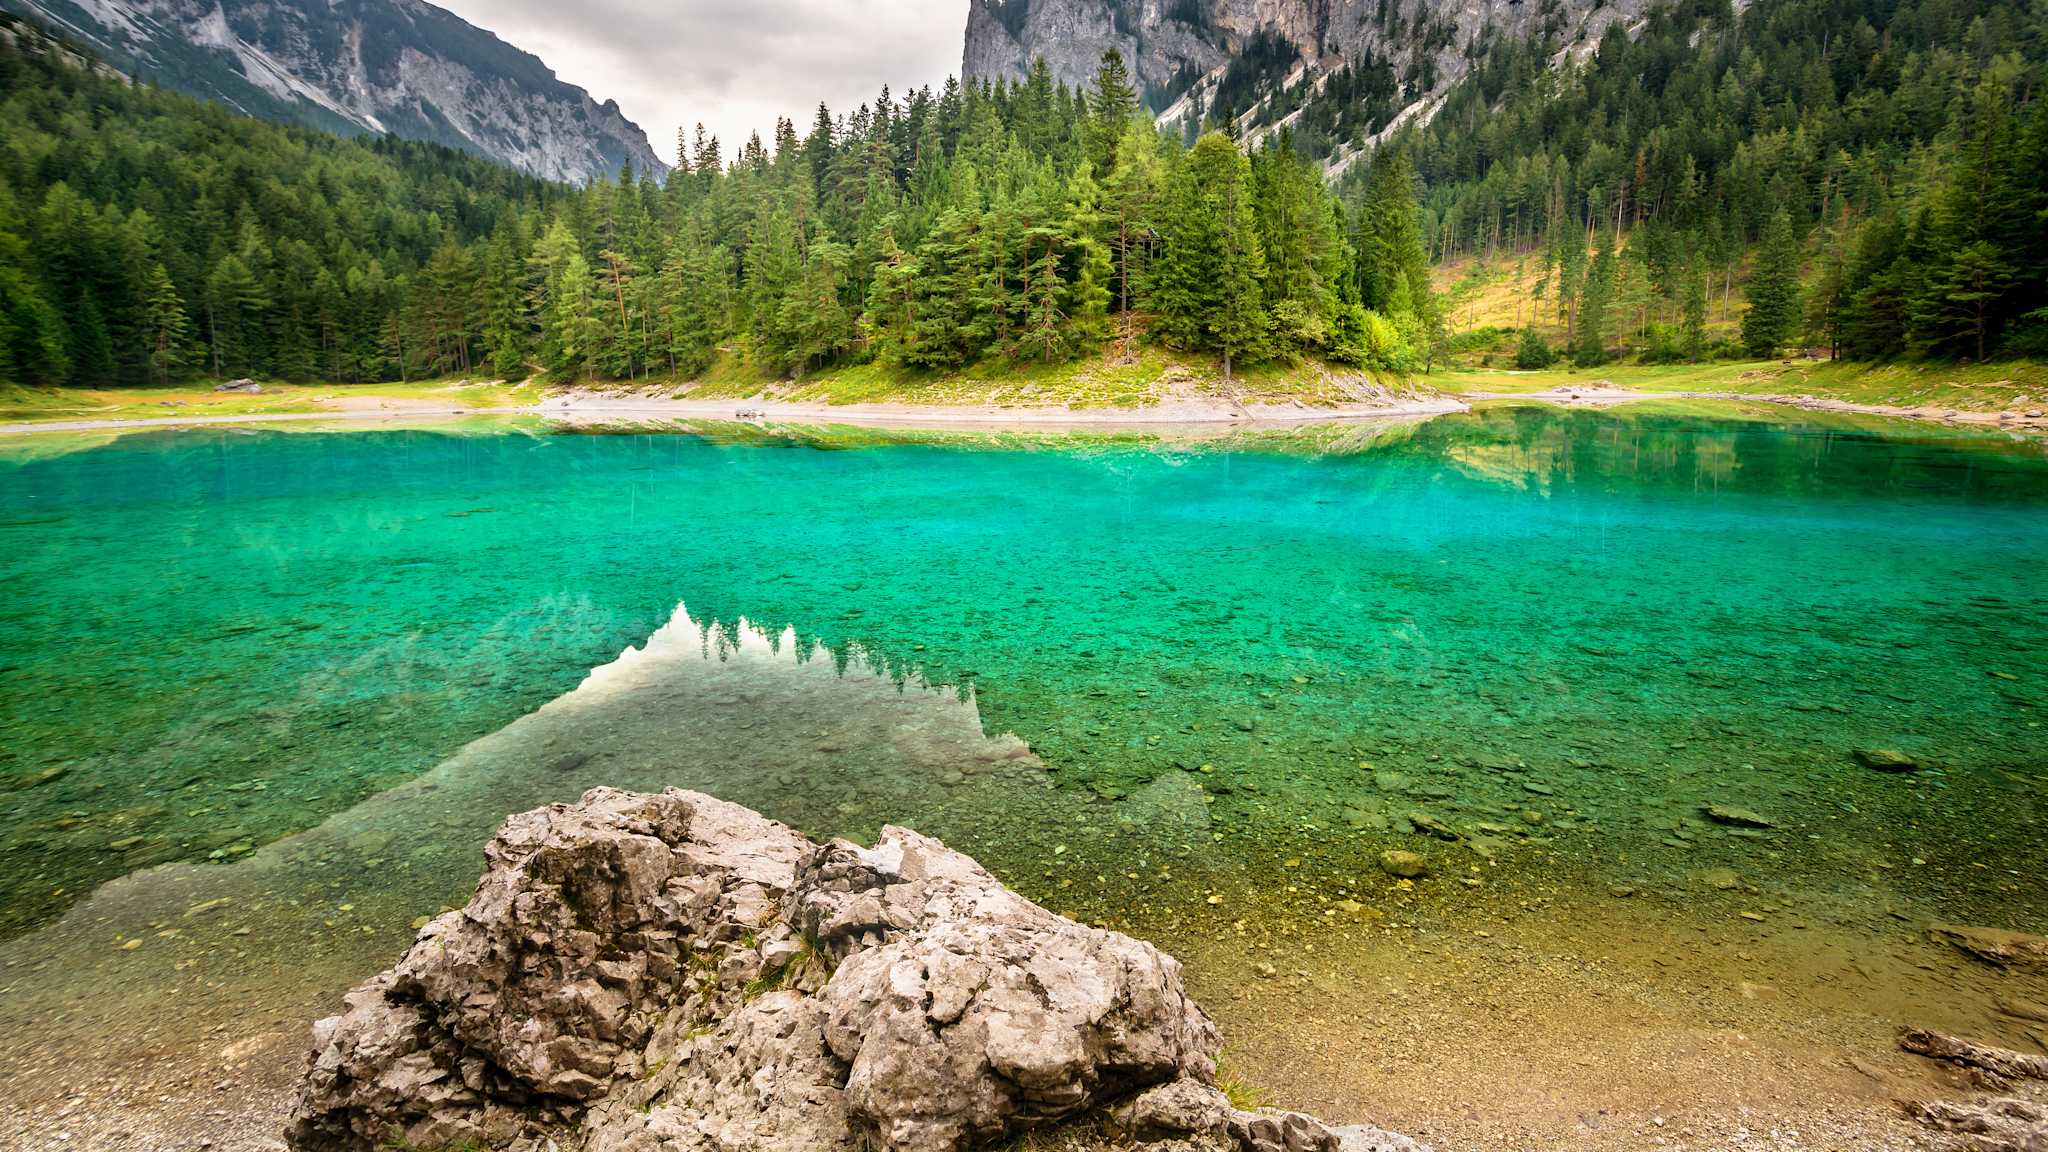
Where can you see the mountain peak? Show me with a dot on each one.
(399, 67)
(1257, 63)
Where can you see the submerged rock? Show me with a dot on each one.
(1985, 1123)
(1885, 760)
(1430, 825)
(1404, 864)
(2022, 1009)
(2000, 946)
(639, 973)
(1736, 817)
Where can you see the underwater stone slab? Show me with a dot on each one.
(674, 973)
(1999, 946)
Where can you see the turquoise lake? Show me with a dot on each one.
(1239, 669)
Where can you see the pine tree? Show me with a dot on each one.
(1131, 198)
(620, 353)
(1111, 107)
(1773, 291)
(1089, 271)
(1210, 295)
(942, 332)
(814, 321)
(505, 291)
(1827, 304)
(1595, 297)
(774, 266)
(236, 310)
(1693, 325)
(1045, 334)
(165, 327)
(889, 319)
(1391, 265)
(694, 300)
(1306, 255)
(575, 320)
(1962, 302)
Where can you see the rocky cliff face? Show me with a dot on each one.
(1277, 55)
(389, 66)
(673, 973)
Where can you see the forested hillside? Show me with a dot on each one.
(402, 68)
(154, 237)
(1871, 177)
(147, 236)
(1879, 168)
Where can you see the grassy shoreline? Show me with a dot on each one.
(2017, 385)
(1098, 385)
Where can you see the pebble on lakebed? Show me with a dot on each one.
(1737, 817)
(1404, 864)
(1885, 760)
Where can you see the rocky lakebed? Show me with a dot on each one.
(674, 973)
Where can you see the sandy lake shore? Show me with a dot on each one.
(592, 408)
(1177, 410)
(1213, 412)
(352, 415)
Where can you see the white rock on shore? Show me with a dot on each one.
(673, 973)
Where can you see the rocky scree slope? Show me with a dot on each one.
(640, 972)
(1267, 59)
(401, 67)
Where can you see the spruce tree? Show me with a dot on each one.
(1210, 294)
(1773, 309)
(814, 321)
(1595, 296)
(1112, 105)
(236, 308)
(166, 329)
(1693, 324)
(889, 317)
(1131, 199)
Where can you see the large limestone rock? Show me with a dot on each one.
(673, 973)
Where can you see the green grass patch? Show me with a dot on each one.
(1101, 380)
(1242, 1093)
(23, 405)
(1964, 387)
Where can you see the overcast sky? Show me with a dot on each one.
(734, 64)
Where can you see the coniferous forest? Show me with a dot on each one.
(154, 238)
(1872, 176)
(1877, 170)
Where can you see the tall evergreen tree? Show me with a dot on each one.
(236, 308)
(1210, 293)
(1773, 310)
(166, 330)
(1595, 296)
(1131, 199)
(1693, 324)
(1112, 105)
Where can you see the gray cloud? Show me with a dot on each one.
(734, 64)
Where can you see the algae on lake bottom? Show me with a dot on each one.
(1555, 636)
